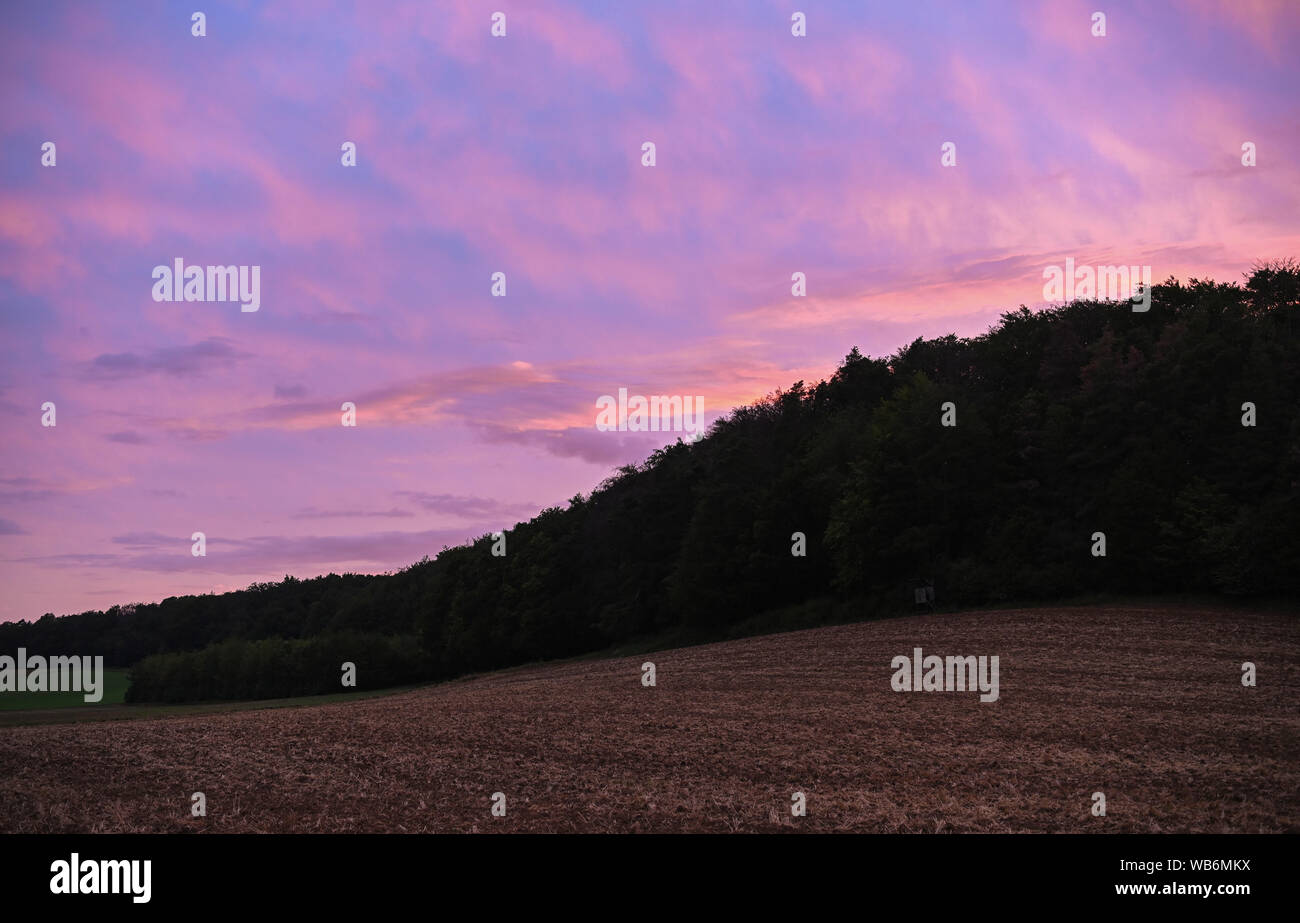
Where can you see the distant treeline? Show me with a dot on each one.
(277, 668)
(1070, 421)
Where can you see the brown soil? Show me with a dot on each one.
(1143, 704)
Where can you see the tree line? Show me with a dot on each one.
(272, 668)
(1070, 421)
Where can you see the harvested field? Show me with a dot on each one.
(1143, 704)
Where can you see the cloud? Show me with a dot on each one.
(468, 507)
(9, 527)
(127, 438)
(264, 554)
(141, 540)
(415, 401)
(178, 361)
(586, 443)
(197, 433)
(478, 154)
(313, 513)
(28, 489)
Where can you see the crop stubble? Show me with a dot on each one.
(1143, 704)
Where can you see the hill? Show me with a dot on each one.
(1175, 433)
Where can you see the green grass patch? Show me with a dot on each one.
(119, 711)
(114, 694)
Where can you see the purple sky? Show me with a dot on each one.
(522, 154)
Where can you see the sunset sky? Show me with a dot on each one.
(522, 154)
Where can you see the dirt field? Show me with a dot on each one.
(1145, 705)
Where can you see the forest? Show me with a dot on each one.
(1175, 432)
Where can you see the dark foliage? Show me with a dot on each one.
(274, 668)
(1086, 418)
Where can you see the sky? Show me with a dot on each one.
(523, 154)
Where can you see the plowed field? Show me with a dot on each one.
(1145, 705)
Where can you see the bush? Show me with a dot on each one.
(277, 668)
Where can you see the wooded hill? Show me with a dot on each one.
(1070, 421)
